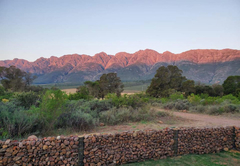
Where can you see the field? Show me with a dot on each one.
(231, 158)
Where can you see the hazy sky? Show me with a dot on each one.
(30, 29)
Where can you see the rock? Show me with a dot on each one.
(58, 137)
(32, 137)
(7, 141)
(225, 149)
(45, 147)
(161, 122)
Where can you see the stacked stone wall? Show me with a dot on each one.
(128, 147)
(118, 148)
(46, 151)
(205, 140)
(237, 138)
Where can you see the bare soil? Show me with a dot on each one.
(203, 120)
(176, 119)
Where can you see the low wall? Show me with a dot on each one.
(206, 140)
(47, 151)
(128, 147)
(237, 138)
(119, 148)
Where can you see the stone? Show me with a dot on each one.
(161, 122)
(32, 137)
(225, 149)
(45, 147)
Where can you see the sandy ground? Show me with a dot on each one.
(176, 119)
(206, 120)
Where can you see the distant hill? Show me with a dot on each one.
(205, 65)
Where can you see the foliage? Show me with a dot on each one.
(52, 107)
(188, 87)
(194, 99)
(127, 114)
(231, 84)
(82, 93)
(134, 101)
(27, 99)
(110, 83)
(165, 80)
(15, 120)
(176, 96)
(15, 79)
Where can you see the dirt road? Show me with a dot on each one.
(200, 120)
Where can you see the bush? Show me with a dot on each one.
(214, 110)
(230, 108)
(120, 115)
(194, 99)
(199, 108)
(15, 120)
(176, 96)
(27, 99)
(52, 107)
(134, 101)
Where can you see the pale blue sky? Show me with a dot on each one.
(30, 29)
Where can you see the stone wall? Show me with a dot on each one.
(46, 151)
(237, 138)
(118, 148)
(206, 140)
(128, 147)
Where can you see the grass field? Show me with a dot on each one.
(231, 158)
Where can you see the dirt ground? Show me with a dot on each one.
(176, 119)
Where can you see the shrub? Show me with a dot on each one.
(194, 99)
(230, 108)
(15, 120)
(27, 99)
(199, 108)
(52, 107)
(120, 115)
(176, 96)
(214, 110)
(181, 105)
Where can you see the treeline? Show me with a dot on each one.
(169, 80)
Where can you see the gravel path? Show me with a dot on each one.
(206, 120)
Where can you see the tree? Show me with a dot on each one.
(93, 88)
(166, 80)
(15, 79)
(188, 87)
(110, 83)
(231, 84)
(218, 89)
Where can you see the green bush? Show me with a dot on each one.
(176, 96)
(214, 110)
(134, 101)
(52, 107)
(120, 115)
(194, 99)
(198, 108)
(27, 99)
(15, 120)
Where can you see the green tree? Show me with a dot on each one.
(166, 80)
(188, 87)
(93, 88)
(231, 84)
(15, 79)
(218, 89)
(110, 83)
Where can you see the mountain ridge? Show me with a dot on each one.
(142, 62)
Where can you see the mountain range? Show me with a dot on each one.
(204, 65)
